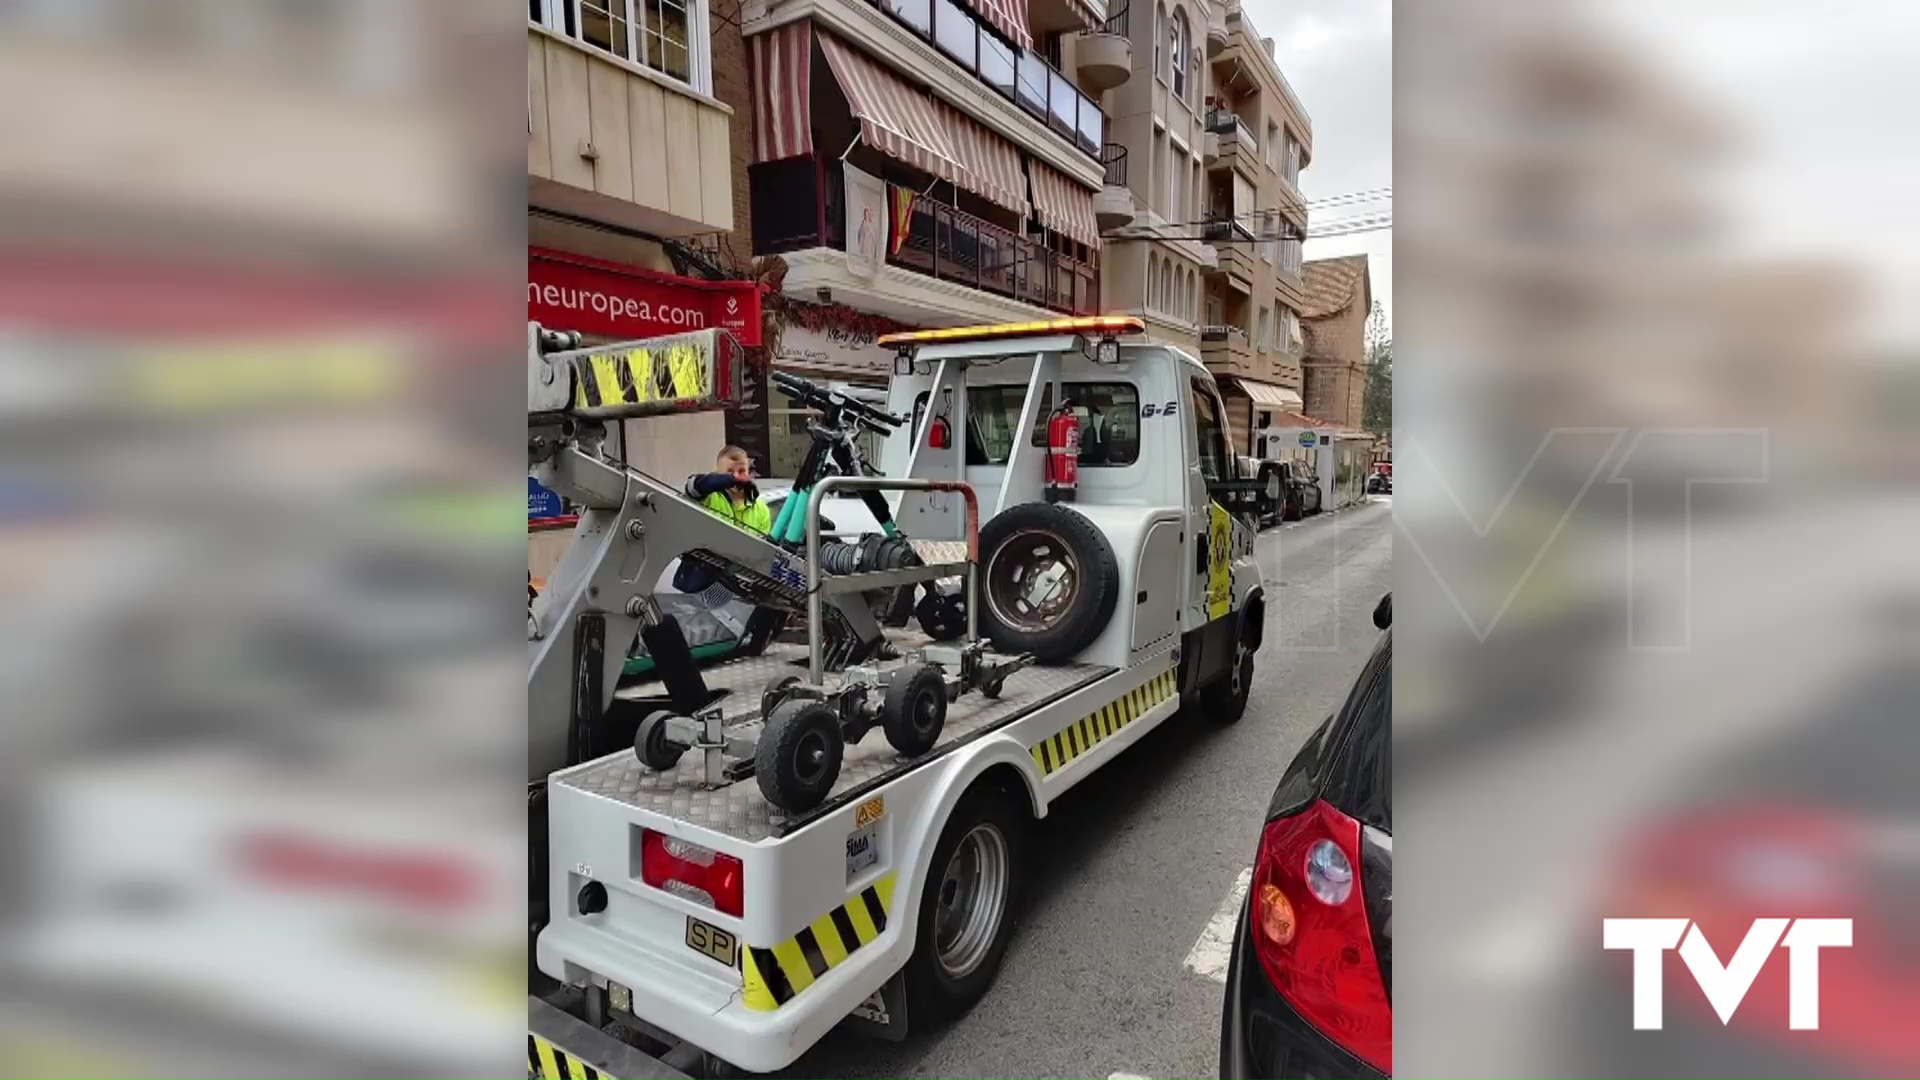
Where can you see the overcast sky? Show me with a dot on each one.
(1338, 56)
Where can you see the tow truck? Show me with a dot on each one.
(1069, 492)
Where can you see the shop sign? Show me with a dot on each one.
(573, 292)
(826, 350)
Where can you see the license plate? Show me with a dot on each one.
(711, 941)
(863, 852)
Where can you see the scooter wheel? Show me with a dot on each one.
(798, 758)
(777, 692)
(915, 709)
(942, 617)
(657, 751)
(991, 688)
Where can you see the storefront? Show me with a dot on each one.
(833, 345)
(607, 302)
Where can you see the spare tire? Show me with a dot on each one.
(1048, 579)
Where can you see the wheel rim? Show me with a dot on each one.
(1242, 669)
(972, 900)
(810, 757)
(1032, 581)
(925, 712)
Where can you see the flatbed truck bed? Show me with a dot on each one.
(738, 809)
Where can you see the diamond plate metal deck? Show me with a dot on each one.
(738, 809)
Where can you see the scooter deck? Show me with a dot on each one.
(738, 809)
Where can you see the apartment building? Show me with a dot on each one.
(632, 158)
(924, 163)
(1210, 140)
(1339, 299)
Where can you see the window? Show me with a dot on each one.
(954, 31)
(1033, 83)
(996, 63)
(915, 13)
(1153, 281)
(1177, 52)
(604, 25)
(1210, 439)
(1176, 185)
(669, 36)
(1291, 167)
(1273, 145)
(1263, 338)
(1109, 414)
(1193, 97)
(1159, 39)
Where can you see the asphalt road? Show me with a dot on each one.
(1130, 867)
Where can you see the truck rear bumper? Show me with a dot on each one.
(562, 1047)
(686, 996)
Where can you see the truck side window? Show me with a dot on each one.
(1206, 423)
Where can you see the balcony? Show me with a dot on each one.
(797, 205)
(1217, 33)
(1024, 78)
(1104, 57)
(1231, 143)
(1113, 204)
(1225, 350)
(597, 128)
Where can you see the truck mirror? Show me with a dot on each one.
(1383, 612)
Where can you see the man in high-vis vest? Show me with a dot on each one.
(730, 493)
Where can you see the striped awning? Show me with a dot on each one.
(990, 163)
(1007, 16)
(1084, 12)
(895, 119)
(782, 85)
(1273, 397)
(1062, 205)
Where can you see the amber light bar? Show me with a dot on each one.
(1088, 324)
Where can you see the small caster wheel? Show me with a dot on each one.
(798, 758)
(915, 709)
(990, 688)
(942, 617)
(776, 692)
(656, 749)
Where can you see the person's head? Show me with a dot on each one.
(732, 459)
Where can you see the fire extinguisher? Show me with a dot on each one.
(1063, 453)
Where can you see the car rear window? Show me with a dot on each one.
(1109, 414)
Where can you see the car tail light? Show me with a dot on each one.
(1310, 930)
(692, 872)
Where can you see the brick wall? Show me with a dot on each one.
(1336, 366)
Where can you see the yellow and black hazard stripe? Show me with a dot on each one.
(672, 372)
(1053, 752)
(772, 976)
(549, 1062)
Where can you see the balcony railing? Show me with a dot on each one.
(1021, 77)
(1114, 157)
(797, 204)
(1226, 122)
(1116, 23)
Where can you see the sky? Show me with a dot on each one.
(1338, 57)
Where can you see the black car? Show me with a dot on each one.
(1309, 992)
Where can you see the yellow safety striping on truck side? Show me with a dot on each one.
(549, 1062)
(772, 976)
(1053, 752)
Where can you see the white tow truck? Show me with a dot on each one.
(685, 906)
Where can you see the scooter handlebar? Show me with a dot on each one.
(812, 393)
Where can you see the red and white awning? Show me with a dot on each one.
(1062, 205)
(895, 118)
(1007, 16)
(991, 164)
(782, 92)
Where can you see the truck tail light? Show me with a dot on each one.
(941, 437)
(1310, 930)
(692, 872)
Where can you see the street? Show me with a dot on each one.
(1119, 957)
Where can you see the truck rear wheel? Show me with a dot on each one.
(966, 909)
(798, 758)
(1226, 700)
(1049, 579)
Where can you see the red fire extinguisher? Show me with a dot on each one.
(1063, 453)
